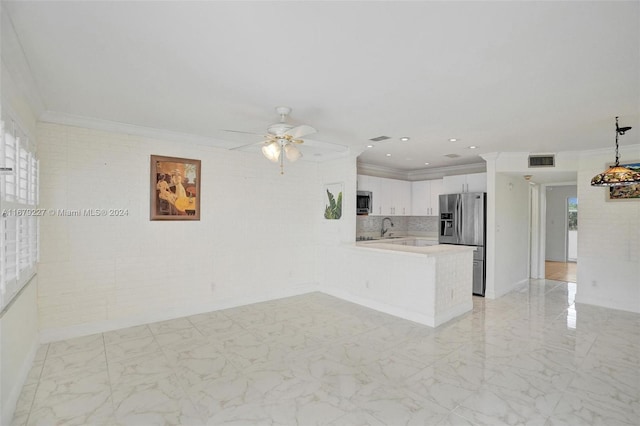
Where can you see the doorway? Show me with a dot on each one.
(549, 224)
(561, 232)
(561, 271)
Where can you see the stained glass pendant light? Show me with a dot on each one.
(617, 175)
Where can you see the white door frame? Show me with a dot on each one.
(537, 226)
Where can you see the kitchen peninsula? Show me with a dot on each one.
(427, 284)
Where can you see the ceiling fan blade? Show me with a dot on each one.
(240, 131)
(300, 131)
(244, 146)
(328, 146)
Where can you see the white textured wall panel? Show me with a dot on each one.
(609, 241)
(257, 237)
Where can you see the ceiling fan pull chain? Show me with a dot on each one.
(281, 159)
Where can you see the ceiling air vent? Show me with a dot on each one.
(380, 138)
(452, 155)
(548, 160)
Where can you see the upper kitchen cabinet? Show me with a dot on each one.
(399, 201)
(371, 184)
(367, 183)
(425, 197)
(390, 197)
(474, 182)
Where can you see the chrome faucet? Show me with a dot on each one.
(382, 230)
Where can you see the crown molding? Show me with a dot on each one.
(422, 174)
(130, 129)
(380, 171)
(331, 151)
(440, 172)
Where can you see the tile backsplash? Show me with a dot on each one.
(422, 226)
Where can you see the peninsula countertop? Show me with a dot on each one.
(430, 250)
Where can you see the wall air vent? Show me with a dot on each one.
(546, 160)
(380, 138)
(452, 155)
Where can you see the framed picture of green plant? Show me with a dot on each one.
(333, 201)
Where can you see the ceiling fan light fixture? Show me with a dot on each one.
(292, 152)
(281, 136)
(271, 150)
(617, 175)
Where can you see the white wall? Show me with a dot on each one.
(257, 238)
(333, 232)
(609, 243)
(509, 259)
(556, 221)
(18, 344)
(19, 321)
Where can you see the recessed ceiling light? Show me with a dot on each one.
(426, 164)
(472, 147)
(453, 140)
(388, 155)
(369, 146)
(404, 139)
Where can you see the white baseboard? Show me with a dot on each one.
(453, 312)
(382, 307)
(9, 405)
(599, 302)
(513, 286)
(62, 333)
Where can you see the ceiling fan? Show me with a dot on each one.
(281, 139)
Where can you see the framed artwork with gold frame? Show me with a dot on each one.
(175, 188)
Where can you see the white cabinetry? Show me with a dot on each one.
(366, 183)
(390, 197)
(434, 195)
(372, 184)
(425, 199)
(395, 197)
(475, 182)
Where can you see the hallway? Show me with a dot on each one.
(561, 271)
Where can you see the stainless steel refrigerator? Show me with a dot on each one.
(463, 222)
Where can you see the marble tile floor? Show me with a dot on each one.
(532, 357)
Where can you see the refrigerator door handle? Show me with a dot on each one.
(461, 220)
(458, 222)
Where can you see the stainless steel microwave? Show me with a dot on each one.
(364, 202)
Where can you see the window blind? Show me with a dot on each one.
(18, 194)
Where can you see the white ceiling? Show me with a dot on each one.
(504, 76)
